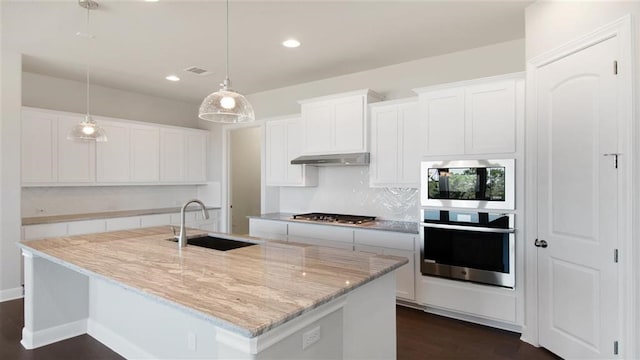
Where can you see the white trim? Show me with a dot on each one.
(116, 342)
(362, 92)
(11, 294)
(472, 319)
(31, 340)
(629, 284)
(262, 342)
(402, 101)
(509, 76)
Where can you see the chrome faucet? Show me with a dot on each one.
(182, 237)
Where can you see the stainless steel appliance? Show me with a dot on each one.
(352, 159)
(335, 218)
(480, 184)
(471, 246)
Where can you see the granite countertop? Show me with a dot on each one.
(408, 227)
(247, 290)
(35, 220)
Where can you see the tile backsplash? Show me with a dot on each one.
(43, 201)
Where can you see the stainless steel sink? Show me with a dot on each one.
(216, 243)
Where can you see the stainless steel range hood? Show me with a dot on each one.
(353, 159)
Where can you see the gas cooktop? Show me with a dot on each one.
(335, 218)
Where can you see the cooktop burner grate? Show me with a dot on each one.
(335, 218)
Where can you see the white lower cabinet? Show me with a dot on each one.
(374, 241)
(192, 219)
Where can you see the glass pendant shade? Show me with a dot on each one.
(226, 106)
(87, 130)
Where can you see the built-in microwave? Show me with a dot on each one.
(478, 184)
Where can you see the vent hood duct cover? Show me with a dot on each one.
(355, 159)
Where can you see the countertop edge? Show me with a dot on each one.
(287, 217)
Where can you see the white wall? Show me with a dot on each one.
(346, 190)
(67, 95)
(396, 81)
(550, 24)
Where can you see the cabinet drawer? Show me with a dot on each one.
(86, 227)
(132, 222)
(385, 239)
(328, 232)
(155, 220)
(322, 242)
(41, 231)
(258, 227)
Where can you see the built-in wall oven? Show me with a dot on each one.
(472, 246)
(467, 228)
(480, 184)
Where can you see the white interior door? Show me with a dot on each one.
(577, 203)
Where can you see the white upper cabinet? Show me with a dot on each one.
(337, 123)
(442, 122)
(490, 118)
(39, 140)
(172, 155)
(471, 117)
(135, 153)
(113, 156)
(196, 162)
(183, 156)
(76, 159)
(48, 157)
(145, 153)
(283, 144)
(395, 144)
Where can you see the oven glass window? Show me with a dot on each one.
(470, 183)
(472, 249)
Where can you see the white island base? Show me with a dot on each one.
(63, 301)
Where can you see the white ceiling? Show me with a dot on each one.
(138, 43)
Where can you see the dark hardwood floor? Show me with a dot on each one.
(420, 336)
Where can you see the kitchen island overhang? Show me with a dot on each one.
(134, 291)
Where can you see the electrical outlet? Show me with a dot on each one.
(191, 341)
(310, 337)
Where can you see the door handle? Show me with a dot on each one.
(541, 243)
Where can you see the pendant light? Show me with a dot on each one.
(87, 129)
(226, 105)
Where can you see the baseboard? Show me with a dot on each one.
(31, 340)
(474, 319)
(116, 342)
(11, 294)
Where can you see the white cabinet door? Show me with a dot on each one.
(442, 119)
(145, 153)
(39, 155)
(113, 159)
(384, 145)
(76, 159)
(490, 118)
(196, 160)
(409, 145)
(318, 128)
(349, 125)
(405, 276)
(283, 144)
(172, 155)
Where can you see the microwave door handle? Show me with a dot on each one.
(468, 228)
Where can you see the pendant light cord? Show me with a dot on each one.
(227, 33)
(88, 48)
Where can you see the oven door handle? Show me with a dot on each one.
(469, 228)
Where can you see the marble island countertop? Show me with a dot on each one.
(50, 219)
(408, 227)
(247, 290)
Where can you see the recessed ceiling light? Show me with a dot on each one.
(172, 78)
(291, 43)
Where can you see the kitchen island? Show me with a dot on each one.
(137, 293)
